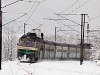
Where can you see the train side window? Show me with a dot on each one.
(33, 44)
(36, 45)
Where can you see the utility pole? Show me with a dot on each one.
(0, 35)
(24, 28)
(87, 33)
(55, 42)
(81, 52)
(55, 32)
(82, 38)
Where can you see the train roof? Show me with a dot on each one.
(87, 46)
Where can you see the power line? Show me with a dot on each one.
(33, 1)
(58, 23)
(32, 13)
(68, 14)
(20, 16)
(94, 17)
(34, 4)
(11, 3)
(28, 1)
(11, 12)
(31, 7)
(70, 27)
(34, 9)
(30, 10)
(79, 6)
(66, 25)
(68, 19)
(24, 13)
(15, 19)
(88, 18)
(70, 6)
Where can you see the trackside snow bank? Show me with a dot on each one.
(48, 67)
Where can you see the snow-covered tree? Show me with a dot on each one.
(67, 38)
(95, 40)
(9, 44)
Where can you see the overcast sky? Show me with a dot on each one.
(47, 9)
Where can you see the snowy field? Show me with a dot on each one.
(48, 67)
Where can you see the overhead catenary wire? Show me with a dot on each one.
(19, 17)
(32, 13)
(34, 9)
(68, 19)
(69, 27)
(11, 3)
(13, 30)
(88, 18)
(33, 1)
(19, 28)
(79, 6)
(11, 12)
(70, 6)
(28, 1)
(94, 17)
(31, 9)
(68, 24)
(58, 23)
(25, 13)
(77, 24)
(14, 19)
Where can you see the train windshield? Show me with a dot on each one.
(26, 43)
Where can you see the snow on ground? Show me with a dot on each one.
(50, 67)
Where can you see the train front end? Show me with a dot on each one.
(27, 50)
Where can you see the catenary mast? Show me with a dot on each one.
(0, 35)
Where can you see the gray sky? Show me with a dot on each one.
(47, 9)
